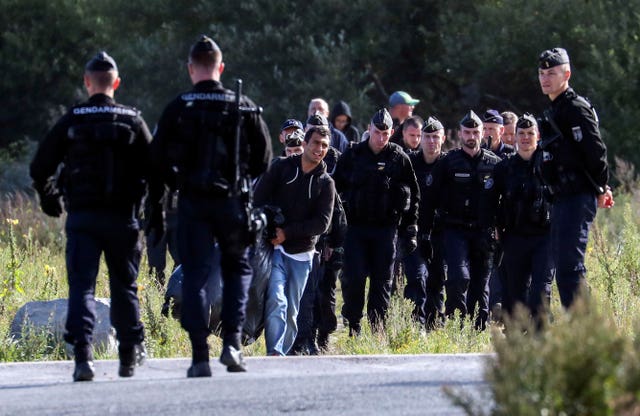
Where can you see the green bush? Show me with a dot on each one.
(582, 364)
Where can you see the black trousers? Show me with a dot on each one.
(89, 234)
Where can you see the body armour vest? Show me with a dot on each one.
(101, 169)
(471, 198)
(377, 194)
(525, 205)
(203, 149)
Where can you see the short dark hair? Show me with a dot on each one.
(102, 79)
(413, 121)
(321, 130)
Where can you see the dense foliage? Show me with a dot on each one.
(453, 56)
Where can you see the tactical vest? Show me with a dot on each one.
(526, 207)
(204, 146)
(100, 170)
(471, 200)
(377, 193)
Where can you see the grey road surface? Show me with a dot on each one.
(328, 385)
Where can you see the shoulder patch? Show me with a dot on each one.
(577, 133)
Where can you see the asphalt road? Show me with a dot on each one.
(332, 385)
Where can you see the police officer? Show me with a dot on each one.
(104, 149)
(468, 202)
(493, 130)
(574, 166)
(194, 147)
(381, 198)
(425, 267)
(524, 221)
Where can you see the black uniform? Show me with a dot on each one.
(574, 166)
(429, 258)
(468, 205)
(104, 149)
(380, 196)
(194, 151)
(524, 220)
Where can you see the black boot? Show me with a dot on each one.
(130, 357)
(83, 356)
(323, 341)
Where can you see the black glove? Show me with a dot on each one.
(425, 246)
(336, 261)
(488, 241)
(408, 240)
(275, 219)
(50, 199)
(155, 223)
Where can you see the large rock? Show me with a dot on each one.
(50, 317)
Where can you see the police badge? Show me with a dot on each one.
(429, 180)
(488, 184)
(577, 133)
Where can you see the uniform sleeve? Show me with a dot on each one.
(266, 186)
(341, 173)
(320, 217)
(584, 130)
(260, 151)
(409, 178)
(50, 153)
(158, 160)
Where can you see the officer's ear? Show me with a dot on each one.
(221, 68)
(116, 83)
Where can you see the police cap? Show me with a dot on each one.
(204, 45)
(101, 62)
(553, 57)
(471, 120)
(382, 119)
(432, 125)
(492, 116)
(292, 122)
(317, 120)
(294, 139)
(527, 120)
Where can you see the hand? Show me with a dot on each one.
(326, 253)
(408, 240)
(280, 237)
(606, 199)
(426, 248)
(51, 205)
(336, 261)
(50, 199)
(155, 224)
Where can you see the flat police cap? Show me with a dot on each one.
(101, 62)
(294, 139)
(292, 122)
(492, 116)
(317, 120)
(527, 120)
(382, 119)
(203, 45)
(432, 125)
(471, 120)
(553, 57)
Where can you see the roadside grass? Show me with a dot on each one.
(32, 267)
